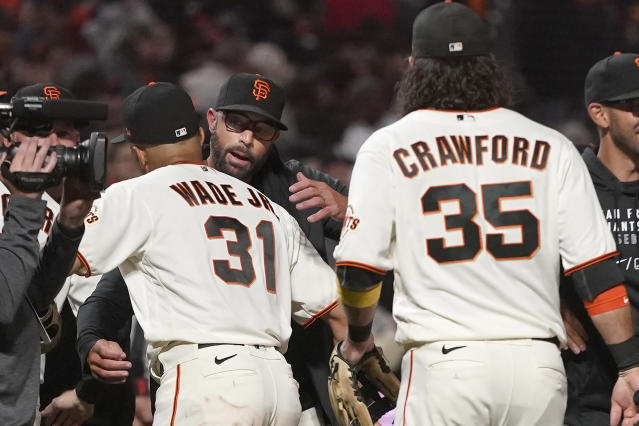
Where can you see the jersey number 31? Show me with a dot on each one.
(240, 247)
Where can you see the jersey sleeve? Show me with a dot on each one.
(117, 228)
(584, 235)
(369, 225)
(313, 282)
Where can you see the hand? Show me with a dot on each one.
(354, 351)
(76, 203)
(107, 362)
(67, 410)
(575, 332)
(622, 403)
(308, 193)
(30, 157)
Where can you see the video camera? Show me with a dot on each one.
(35, 116)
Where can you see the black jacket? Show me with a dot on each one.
(308, 349)
(592, 374)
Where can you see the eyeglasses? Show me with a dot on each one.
(630, 105)
(238, 122)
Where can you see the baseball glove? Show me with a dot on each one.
(355, 390)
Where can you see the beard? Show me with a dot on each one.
(221, 164)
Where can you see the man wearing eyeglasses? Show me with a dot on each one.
(612, 102)
(244, 125)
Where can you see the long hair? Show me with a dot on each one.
(458, 83)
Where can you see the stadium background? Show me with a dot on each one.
(338, 59)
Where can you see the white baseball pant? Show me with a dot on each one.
(508, 382)
(224, 385)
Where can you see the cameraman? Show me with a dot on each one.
(22, 273)
(63, 392)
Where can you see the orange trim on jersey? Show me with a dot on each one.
(175, 398)
(320, 314)
(361, 266)
(84, 263)
(460, 111)
(609, 300)
(590, 262)
(410, 378)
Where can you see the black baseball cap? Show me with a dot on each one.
(253, 93)
(614, 78)
(449, 29)
(48, 91)
(158, 113)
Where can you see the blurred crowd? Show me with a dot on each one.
(337, 59)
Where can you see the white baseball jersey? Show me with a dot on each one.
(206, 258)
(473, 211)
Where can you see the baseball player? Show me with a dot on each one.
(473, 205)
(215, 270)
(246, 122)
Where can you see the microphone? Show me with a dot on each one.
(59, 109)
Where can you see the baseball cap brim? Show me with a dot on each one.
(256, 110)
(630, 95)
(119, 139)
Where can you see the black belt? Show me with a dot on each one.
(206, 345)
(554, 340)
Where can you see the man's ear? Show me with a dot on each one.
(411, 61)
(599, 115)
(142, 157)
(211, 116)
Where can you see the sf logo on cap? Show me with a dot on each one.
(261, 89)
(51, 92)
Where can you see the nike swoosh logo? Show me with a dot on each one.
(446, 350)
(219, 361)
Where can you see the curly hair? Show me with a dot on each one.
(458, 83)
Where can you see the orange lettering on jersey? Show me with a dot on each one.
(445, 151)
(500, 148)
(399, 156)
(48, 220)
(217, 193)
(422, 152)
(51, 92)
(205, 197)
(91, 217)
(540, 154)
(254, 200)
(480, 149)
(261, 89)
(463, 148)
(183, 189)
(228, 189)
(520, 151)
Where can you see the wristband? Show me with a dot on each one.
(626, 354)
(359, 333)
